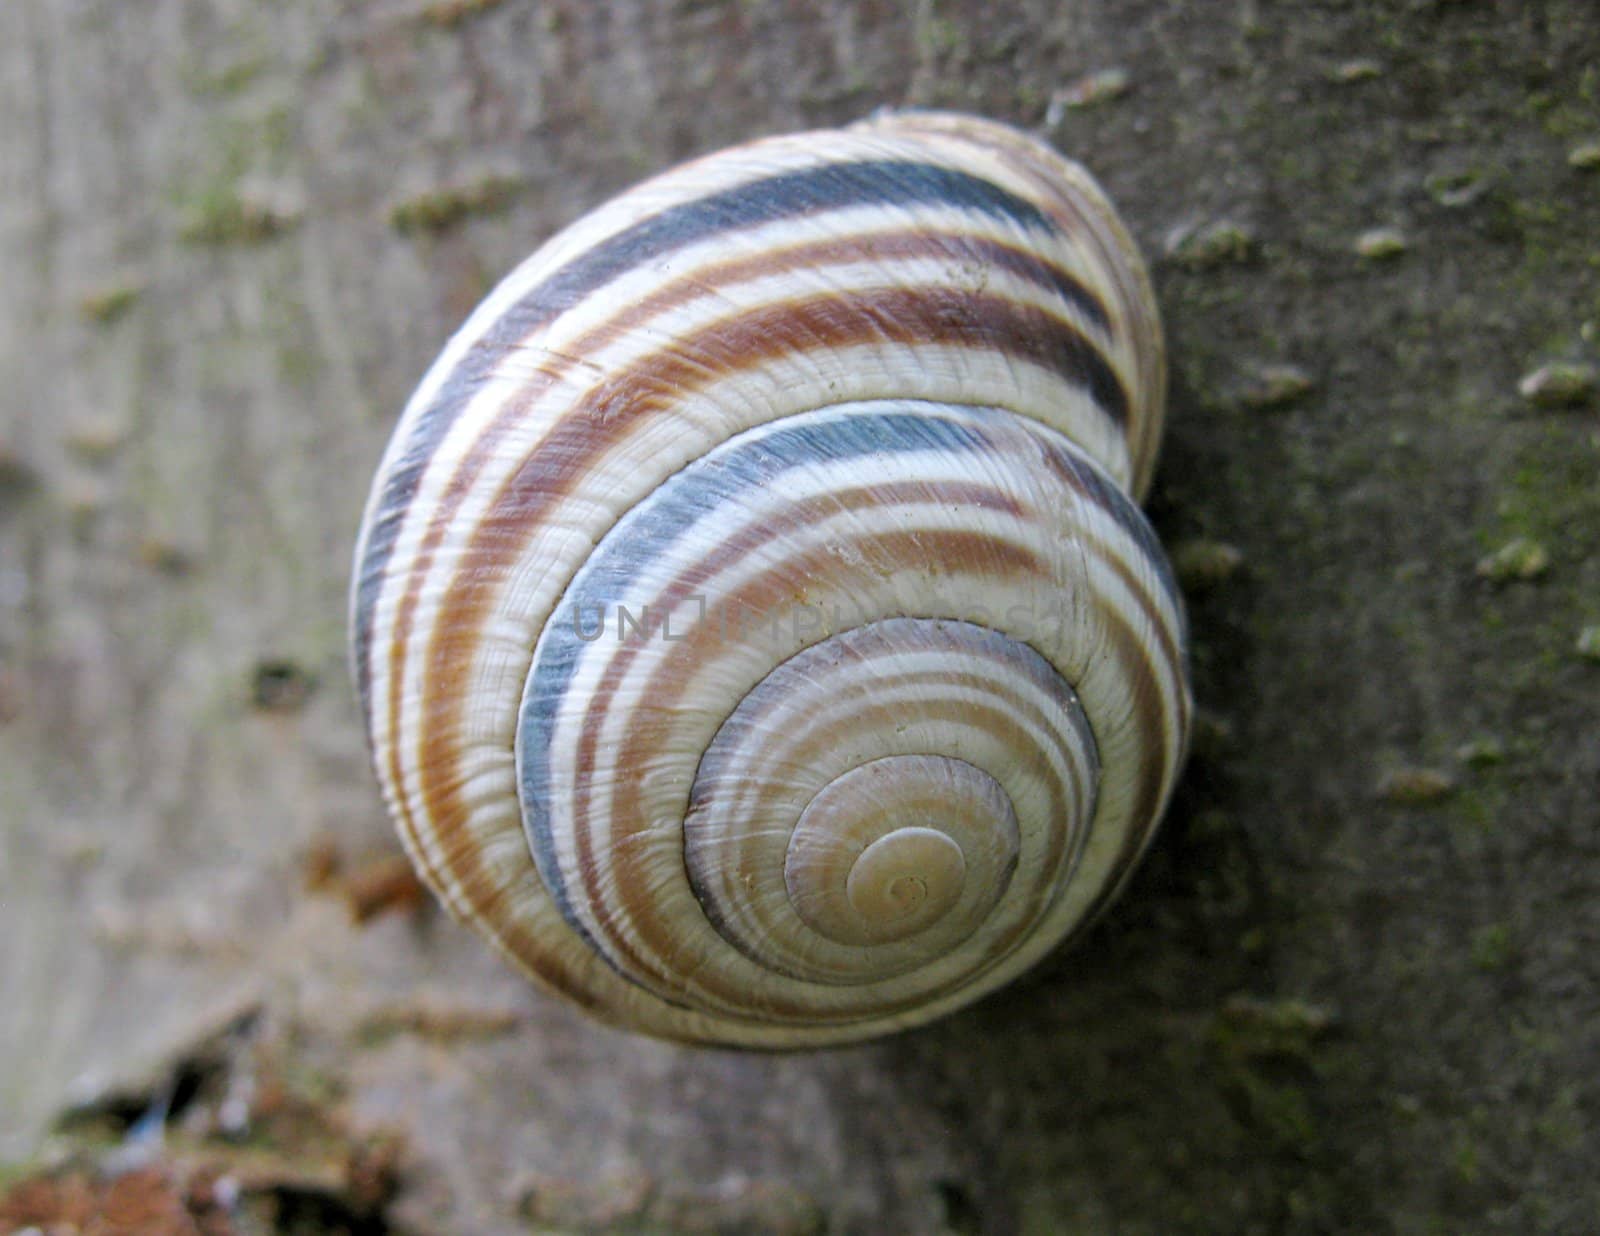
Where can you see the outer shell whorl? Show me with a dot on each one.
(756, 636)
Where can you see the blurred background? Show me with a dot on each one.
(1353, 988)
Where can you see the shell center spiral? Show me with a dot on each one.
(881, 853)
(911, 871)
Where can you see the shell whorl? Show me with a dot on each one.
(756, 633)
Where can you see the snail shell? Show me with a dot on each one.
(756, 636)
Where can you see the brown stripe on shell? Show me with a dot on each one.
(1068, 472)
(1080, 209)
(511, 935)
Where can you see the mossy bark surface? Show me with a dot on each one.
(1354, 987)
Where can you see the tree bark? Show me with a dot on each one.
(1354, 986)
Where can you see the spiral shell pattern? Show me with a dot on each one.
(756, 633)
